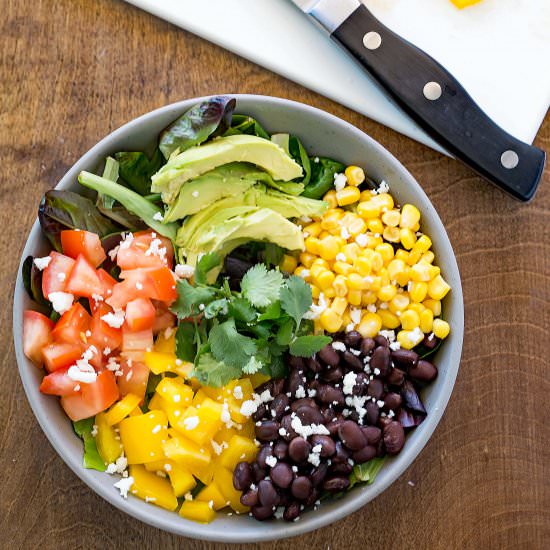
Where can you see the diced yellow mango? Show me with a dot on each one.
(142, 436)
(180, 478)
(159, 362)
(223, 478)
(200, 396)
(248, 430)
(165, 345)
(257, 379)
(152, 488)
(175, 391)
(239, 449)
(216, 394)
(121, 409)
(200, 424)
(212, 493)
(107, 441)
(188, 454)
(197, 511)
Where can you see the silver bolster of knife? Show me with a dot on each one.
(332, 13)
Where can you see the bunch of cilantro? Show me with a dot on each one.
(227, 334)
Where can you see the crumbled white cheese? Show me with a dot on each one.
(124, 485)
(314, 458)
(304, 273)
(395, 346)
(300, 392)
(42, 263)
(250, 406)
(306, 430)
(344, 233)
(191, 422)
(315, 310)
(156, 249)
(86, 377)
(339, 346)
(383, 187)
(349, 383)
(114, 319)
(117, 467)
(362, 240)
(156, 429)
(94, 430)
(238, 392)
(371, 308)
(350, 327)
(195, 194)
(61, 276)
(305, 219)
(226, 415)
(389, 334)
(158, 217)
(340, 181)
(61, 301)
(271, 461)
(97, 297)
(340, 257)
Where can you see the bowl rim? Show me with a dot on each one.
(169, 521)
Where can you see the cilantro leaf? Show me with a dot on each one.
(229, 346)
(284, 334)
(306, 346)
(241, 310)
(253, 366)
(185, 341)
(206, 264)
(215, 308)
(190, 297)
(273, 311)
(296, 298)
(278, 367)
(211, 372)
(260, 286)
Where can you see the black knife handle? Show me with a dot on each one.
(453, 119)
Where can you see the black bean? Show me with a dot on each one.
(267, 494)
(342, 454)
(268, 430)
(380, 360)
(395, 377)
(381, 341)
(262, 512)
(295, 405)
(286, 425)
(328, 414)
(342, 468)
(292, 511)
(335, 484)
(278, 386)
(285, 498)
(280, 449)
(281, 475)
(334, 424)
(394, 437)
(260, 413)
(295, 362)
(329, 355)
(424, 371)
(383, 421)
(295, 379)
(250, 498)
(257, 472)
(264, 452)
(353, 361)
(310, 415)
(430, 341)
(314, 384)
(404, 358)
(365, 454)
(242, 477)
(299, 449)
(372, 433)
(278, 406)
(333, 375)
(301, 487)
(373, 412)
(352, 339)
(367, 345)
(313, 365)
(351, 435)
(318, 474)
(313, 497)
(411, 399)
(392, 401)
(328, 447)
(376, 388)
(329, 395)
(361, 384)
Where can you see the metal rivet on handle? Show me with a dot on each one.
(509, 159)
(432, 91)
(372, 40)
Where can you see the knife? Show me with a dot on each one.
(430, 95)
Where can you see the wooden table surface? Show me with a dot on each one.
(73, 71)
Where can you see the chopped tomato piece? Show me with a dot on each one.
(76, 242)
(84, 280)
(164, 318)
(93, 398)
(73, 325)
(136, 341)
(104, 335)
(59, 355)
(107, 281)
(135, 376)
(140, 314)
(56, 275)
(144, 250)
(59, 383)
(37, 329)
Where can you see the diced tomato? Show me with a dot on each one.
(76, 242)
(72, 325)
(60, 355)
(164, 318)
(93, 398)
(84, 280)
(136, 341)
(107, 282)
(104, 335)
(59, 383)
(37, 330)
(135, 376)
(140, 314)
(144, 250)
(56, 275)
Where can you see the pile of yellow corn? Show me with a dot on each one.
(369, 267)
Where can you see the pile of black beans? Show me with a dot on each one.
(283, 475)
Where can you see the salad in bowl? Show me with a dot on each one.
(233, 324)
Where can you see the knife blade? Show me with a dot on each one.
(432, 96)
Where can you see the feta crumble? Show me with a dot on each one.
(61, 301)
(124, 485)
(114, 319)
(340, 181)
(158, 217)
(191, 422)
(42, 263)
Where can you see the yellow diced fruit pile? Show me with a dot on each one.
(369, 267)
(189, 433)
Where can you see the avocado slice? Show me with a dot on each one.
(239, 148)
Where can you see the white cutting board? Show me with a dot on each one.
(498, 49)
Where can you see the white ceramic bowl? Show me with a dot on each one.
(322, 134)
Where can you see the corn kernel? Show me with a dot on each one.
(415, 306)
(357, 282)
(438, 288)
(323, 235)
(402, 255)
(375, 283)
(410, 338)
(321, 262)
(421, 272)
(399, 303)
(369, 209)
(434, 271)
(329, 248)
(434, 306)
(348, 195)
(427, 257)
(418, 291)
(396, 268)
(315, 291)
(331, 220)
(312, 245)
(339, 305)
(391, 234)
(351, 251)
(346, 319)
(330, 320)
(329, 292)
(340, 286)
(342, 268)
(340, 241)
(373, 242)
(386, 251)
(288, 264)
(410, 216)
(301, 271)
(423, 243)
(385, 200)
(307, 259)
(426, 321)
(330, 198)
(441, 328)
(375, 225)
(315, 270)
(414, 256)
(387, 293)
(368, 297)
(384, 277)
(355, 175)
(356, 226)
(377, 261)
(370, 325)
(407, 237)
(389, 319)
(391, 218)
(363, 266)
(313, 229)
(354, 297)
(410, 319)
(324, 279)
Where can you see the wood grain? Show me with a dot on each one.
(72, 71)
